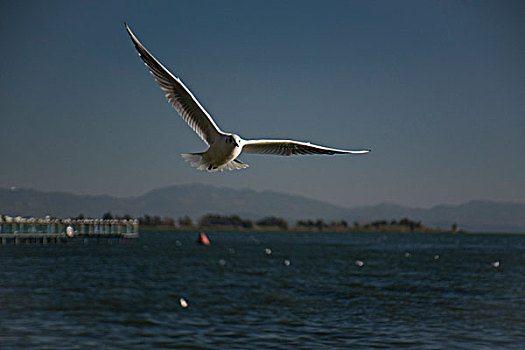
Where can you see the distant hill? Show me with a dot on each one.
(197, 200)
(174, 201)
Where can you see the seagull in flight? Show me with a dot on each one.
(223, 148)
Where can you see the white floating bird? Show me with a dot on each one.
(224, 148)
(183, 302)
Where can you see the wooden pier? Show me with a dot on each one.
(36, 230)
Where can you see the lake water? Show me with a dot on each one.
(313, 291)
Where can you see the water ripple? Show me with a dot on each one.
(240, 297)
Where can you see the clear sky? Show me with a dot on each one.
(435, 88)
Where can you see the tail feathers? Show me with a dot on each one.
(198, 161)
(235, 165)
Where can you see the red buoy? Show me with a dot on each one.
(203, 239)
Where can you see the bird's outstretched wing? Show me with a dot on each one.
(179, 95)
(289, 147)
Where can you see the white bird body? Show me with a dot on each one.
(222, 151)
(221, 155)
(224, 148)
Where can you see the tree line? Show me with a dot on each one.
(216, 221)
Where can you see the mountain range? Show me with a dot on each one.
(196, 200)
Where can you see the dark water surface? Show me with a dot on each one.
(413, 291)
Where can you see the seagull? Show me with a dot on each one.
(223, 148)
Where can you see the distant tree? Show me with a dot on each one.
(157, 221)
(454, 227)
(272, 221)
(146, 220)
(107, 216)
(412, 225)
(378, 223)
(80, 217)
(404, 222)
(211, 220)
(186, 221)
(339, 224)
(320, 224)
(305, 223)
(169, 221)
(219, 220)
(248, 224)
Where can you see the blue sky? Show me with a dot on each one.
(435, 88)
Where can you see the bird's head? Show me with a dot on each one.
(234, 139)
